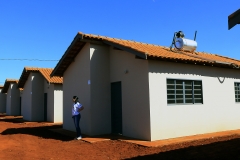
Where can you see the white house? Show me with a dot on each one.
(147, 91)
(41, 96)
(2, 101)
(12, 97)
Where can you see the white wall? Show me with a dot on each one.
(13, 100)
(26, 107)
(219, 111)
(58, 103)
(2, 102)
(49, 89)
(37, 97)
(100, 90)
(135, 92)
(94, 63)
(75, 82)
(8, 101)
(54, 101)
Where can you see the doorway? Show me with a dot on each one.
(116, 107)
(45, 106)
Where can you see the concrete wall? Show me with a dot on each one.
(13, 100)
(100, 90)
(100, 65)
(54, 101)
(3, 98)
(76, 83)
(58, 103)
(135, 92)
(8, 100)
(26, 106)
(37, 97)
(49, 89)
(219, 111)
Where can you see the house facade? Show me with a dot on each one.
(2, 101)
(146, 91)
(41, 96)
(12, 97)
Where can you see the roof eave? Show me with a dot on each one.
(24, 77)
(130, 50)
(195, 62)
(6, 85)
(57, 70)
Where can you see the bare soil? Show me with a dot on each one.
(23, 140)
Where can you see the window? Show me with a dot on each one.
(237, 92)
(184, 91)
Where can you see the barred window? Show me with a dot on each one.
(237, 92)
(184, 91)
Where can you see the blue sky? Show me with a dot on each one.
(43, 29)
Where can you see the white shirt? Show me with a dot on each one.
(75, 108)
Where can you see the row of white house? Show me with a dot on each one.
(136, 89)
(36, 96)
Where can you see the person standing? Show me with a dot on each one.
(77, 107)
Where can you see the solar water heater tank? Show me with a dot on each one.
(185, 44)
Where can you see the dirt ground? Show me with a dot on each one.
(23, 140)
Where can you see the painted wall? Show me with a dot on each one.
(13, 100)
(219, 111)
(49, 89)
(8, 101)
(135, 92)
(76, 83)
(58, 103)
(102, 65)
(100, 90)
(26, 106)
(37, 97)
(3, 99)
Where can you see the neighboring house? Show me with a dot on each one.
(12, 97)
(2, 101)
(233, 19)
(41, 96)
(147, 91)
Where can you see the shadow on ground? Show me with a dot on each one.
(225, 150)
(40, 131)
(12, 120)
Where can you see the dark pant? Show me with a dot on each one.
(76, 120)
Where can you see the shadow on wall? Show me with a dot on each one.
(191, 69)
(42, 132)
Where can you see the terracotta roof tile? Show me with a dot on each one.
(45, 72)
(7, 83)
(148, 49)
(144, 50)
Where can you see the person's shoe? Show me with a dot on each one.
(78, 138)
